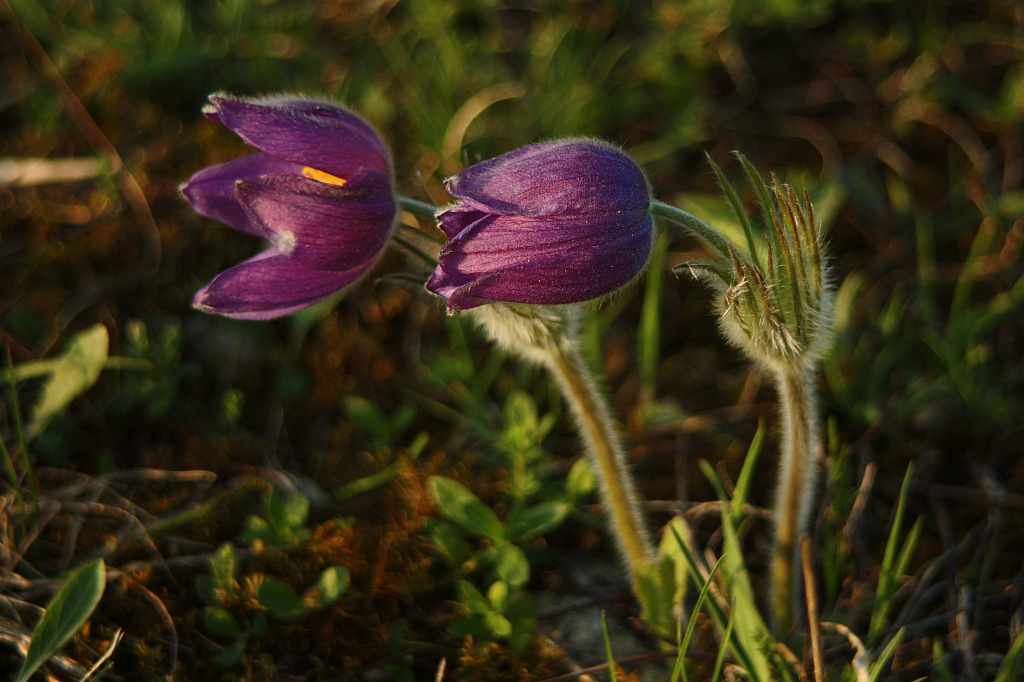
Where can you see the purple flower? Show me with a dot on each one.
(557, 222)
(320, 191)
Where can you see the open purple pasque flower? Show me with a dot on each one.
(320, 190)
(551, 223)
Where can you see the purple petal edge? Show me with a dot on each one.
(310, 132)
(270, 285)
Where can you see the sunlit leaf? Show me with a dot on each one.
(579, 482)
(512, 566)
(537, 520)
(878, 667)
(75, 371)
(463, 508)
(331, 584)
(65, 615)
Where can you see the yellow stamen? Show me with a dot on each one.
(320, 176)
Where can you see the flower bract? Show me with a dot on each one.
(319, 190)
(552, 223)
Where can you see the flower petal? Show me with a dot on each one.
(472, 272)
(314, 133)
(489, 242)
(271, 285)
(211, 191)
(553, 178)
(322, 226)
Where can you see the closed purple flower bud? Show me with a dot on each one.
(552, 223)
(320, 190)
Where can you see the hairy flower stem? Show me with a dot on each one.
(605, 450)
(798, 471)
(693, 225)
(550, 337)
(415, 207)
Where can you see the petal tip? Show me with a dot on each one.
(199, 301)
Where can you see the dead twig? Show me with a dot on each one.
(165, 615)
(811, 592)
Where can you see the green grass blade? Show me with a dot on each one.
(612, 674)
(887, 577)
(714, 608)
(969, 273)
(1008, 668)
(375, 480)
(939, 663)
(878, 667)
(750, 628)
(684, 646)
(715, 480)
(907, 550)
(746, 476)
(65, 615)
(720, 659)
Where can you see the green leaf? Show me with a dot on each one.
(534, 521)
(669, 548)
(655, 585)
(65, 615)
(232, 654)
(474, 600)
(287, 512)
(224, 566)
(75, 371)
(521, 614)
(331, 584)
(219, 622)
(280, 599)
(207, 589)
(580, 481)
(259, 626)
(475, 625)
(464, 509)
(512, 566)
(498, 624)
(497, 593)
(520, 411)
(448, 538)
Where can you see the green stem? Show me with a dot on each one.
(416, 207)
(551, 337)
(415, 250)
(798, 469)
(604, 448)
(697, 227)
